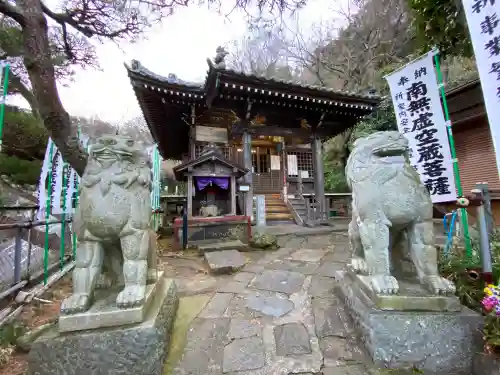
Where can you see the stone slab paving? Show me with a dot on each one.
(279, 316)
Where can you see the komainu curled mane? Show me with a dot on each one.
(112, 223)
(390, 205)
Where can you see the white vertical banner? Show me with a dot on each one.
(55, 168)
(291, 161)
(42, 182)
(483, 19)
(4, 81)
(158, 178)
(71, 190)
(2, 66)
(275, 163)
(57, 182)
(417, 105)
(65, 208)
(155, 183)
(151, 154)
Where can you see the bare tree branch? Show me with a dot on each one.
(12, 11)
(45, 54)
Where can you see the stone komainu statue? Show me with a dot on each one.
(391, 211)
(115, 242)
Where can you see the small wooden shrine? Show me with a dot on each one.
(211, 183)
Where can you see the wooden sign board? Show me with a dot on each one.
(211, 134)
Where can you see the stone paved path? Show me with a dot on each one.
(278, 316)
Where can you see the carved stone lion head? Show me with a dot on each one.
(386, 149)
(108, 149)
(382, 144)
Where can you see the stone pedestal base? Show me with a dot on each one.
(138, 349)
(486, 364)
(401, 337)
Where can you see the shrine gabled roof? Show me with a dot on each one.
(250, 84)
(170, 104)
(209, 154)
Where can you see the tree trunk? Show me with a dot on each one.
(41, 72)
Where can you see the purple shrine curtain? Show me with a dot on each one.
(203, 182)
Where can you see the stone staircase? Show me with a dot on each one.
(276, 210)
(299, 206)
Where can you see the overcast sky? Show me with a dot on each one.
(180, 45)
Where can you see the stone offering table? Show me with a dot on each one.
(413, 328)
(221, 228)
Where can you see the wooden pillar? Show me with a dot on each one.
(300, 186)
(284, 170)
(192, 143)
(192, 134)
(190, 197)
(233, 195)
(319, 174)
(247, 163)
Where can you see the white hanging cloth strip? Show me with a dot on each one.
(42, 181)
(57, 183)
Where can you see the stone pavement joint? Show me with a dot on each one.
(279, 316)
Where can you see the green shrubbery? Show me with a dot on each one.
(23, 135)
(335, 181)
(24, 143)
(465, 272)
(19, 171)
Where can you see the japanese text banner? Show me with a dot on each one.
(483, 19)
(419, 115)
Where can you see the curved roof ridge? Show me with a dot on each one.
(172, 79)
(296, 83)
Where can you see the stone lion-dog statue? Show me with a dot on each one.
(112, 222)
(391, 210)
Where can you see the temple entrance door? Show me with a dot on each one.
(267, 170)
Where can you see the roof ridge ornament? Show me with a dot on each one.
(220, 55)
(171, 78)
(211, 147)
(135, 65)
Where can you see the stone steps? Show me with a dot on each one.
(274, 202)
(279, 216)
(276, 210)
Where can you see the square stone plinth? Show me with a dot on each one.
(104, 312)
(138, 349)
(431, 341)
(411, 297)
(486, 364)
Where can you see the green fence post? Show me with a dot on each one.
(5, 82)
(463, 211)
(47, 215)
